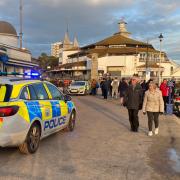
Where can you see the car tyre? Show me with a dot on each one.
(85, 92)
(72, 122)
(31, 143)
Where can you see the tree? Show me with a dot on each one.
(45, 61)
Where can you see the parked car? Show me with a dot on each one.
(79, 88)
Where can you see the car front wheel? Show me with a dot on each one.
(31, 144)
(72, 122)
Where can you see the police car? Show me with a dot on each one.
(31, 110)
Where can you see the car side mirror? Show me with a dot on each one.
(67, 98)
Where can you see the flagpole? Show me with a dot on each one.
(21, 22)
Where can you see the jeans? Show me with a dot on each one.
(133, 119)
(93, 91)
(153, 116)
(165, 99)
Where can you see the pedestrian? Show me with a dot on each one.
(173, 87)
(115, 85)
(153, 105)
(165, 92)
(101, 86)
(105, 86)
(93, 87)
(143, 85)
(133, 100)
(123, 86)
(109, 80)
(147, 84)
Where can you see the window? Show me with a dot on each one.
(24, 94)
(56, 94)
(40, 91)
(32, 93)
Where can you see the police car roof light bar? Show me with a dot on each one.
(32, 74)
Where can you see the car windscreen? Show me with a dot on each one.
(78, 83)
(5, 92)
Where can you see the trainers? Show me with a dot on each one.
(150, 133)
(156, 131)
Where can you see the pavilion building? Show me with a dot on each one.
(118, 55)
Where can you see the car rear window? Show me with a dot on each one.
(5, 92)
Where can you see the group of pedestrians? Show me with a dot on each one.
(136, 95)
(113, 87)
(150, 101)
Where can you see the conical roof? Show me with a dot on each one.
(66, 39)
(76, 44)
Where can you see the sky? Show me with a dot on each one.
(45, 21)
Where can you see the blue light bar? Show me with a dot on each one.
(30, 74)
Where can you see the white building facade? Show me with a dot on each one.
(13, 58)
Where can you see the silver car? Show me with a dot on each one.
(79, 88)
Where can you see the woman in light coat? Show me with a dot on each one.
(153, 105)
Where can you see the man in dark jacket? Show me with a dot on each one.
(133, 101)
(105, 86)
(109, 81)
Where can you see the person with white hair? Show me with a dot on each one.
(133, 101)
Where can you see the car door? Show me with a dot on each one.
(59, 106)
(43, 105)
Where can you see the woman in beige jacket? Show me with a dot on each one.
(153, 104)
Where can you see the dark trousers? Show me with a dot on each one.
(102, 91)
(153, 116)
(165, 99)
(133, 119)
(105, 93)
(93, 91)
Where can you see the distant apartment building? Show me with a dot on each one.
(56, 48)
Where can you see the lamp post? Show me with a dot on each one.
(159, 73)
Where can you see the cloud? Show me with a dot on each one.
(45, 21)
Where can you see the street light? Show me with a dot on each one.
(160, 40)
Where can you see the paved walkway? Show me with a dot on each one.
(101, 147)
